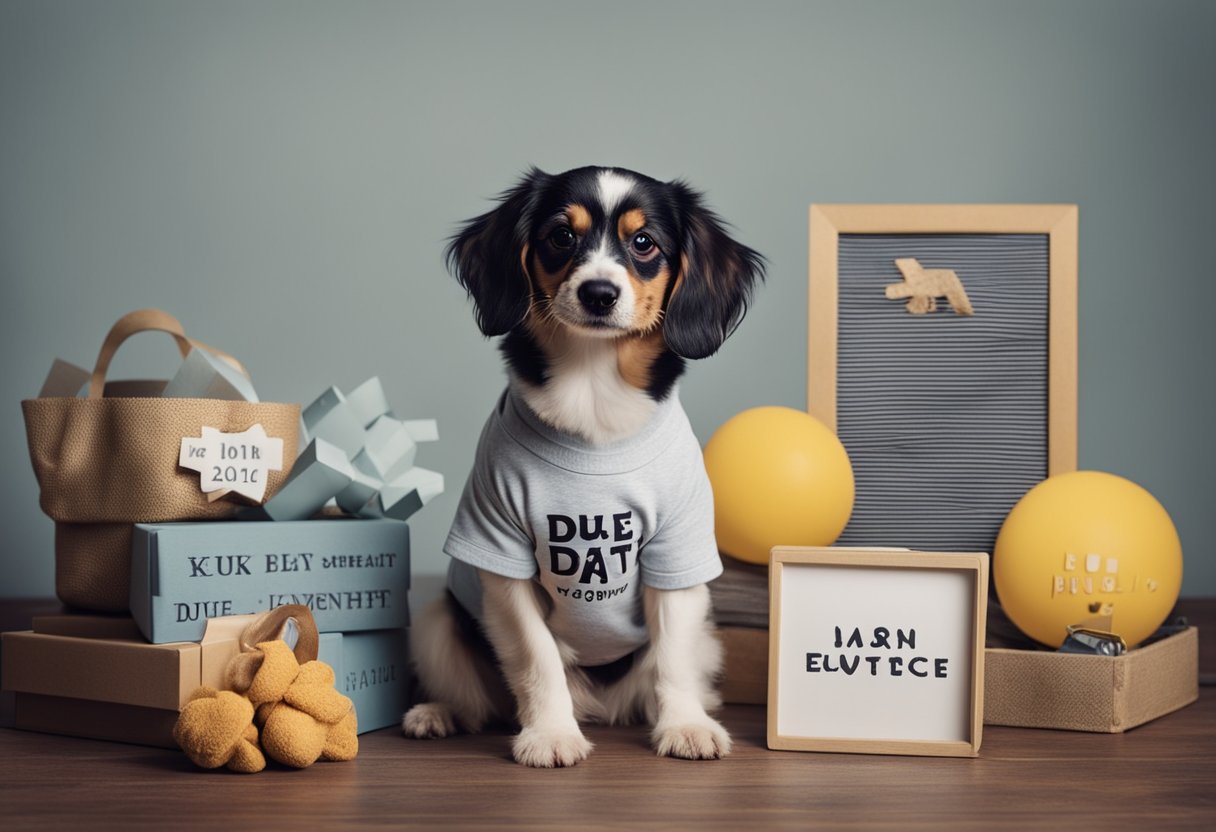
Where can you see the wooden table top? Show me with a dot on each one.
(1161, 775)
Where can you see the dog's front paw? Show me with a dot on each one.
(699, 740)
(430, 720)
(550, 747)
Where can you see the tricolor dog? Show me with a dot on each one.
(584, 538)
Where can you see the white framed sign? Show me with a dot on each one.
(876, 651)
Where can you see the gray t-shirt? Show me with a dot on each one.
(590, 523)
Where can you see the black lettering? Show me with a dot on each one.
(939, 668)
(855, 639)
(812, 662)
(620, 526)
(908, 638)
(228, 565)
(897, 666)
(873, 662)
(912, 666)
(555, 555)
(827, 664)
(198, 566)
(556, 533)
(881, 638)
(623, 553)
(199, 610)
(599, 533)
(594, 565)
(847, 668)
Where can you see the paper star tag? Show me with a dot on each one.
(228, 462)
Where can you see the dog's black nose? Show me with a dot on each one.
(598, 296)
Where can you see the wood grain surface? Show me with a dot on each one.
(1159, 776)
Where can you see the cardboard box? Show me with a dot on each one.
(1030, 688)
(103, 668)
(87, 625)
(352, 574)
(94, 720)
(93, 676)
(1107, 694)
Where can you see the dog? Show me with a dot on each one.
(584, 538)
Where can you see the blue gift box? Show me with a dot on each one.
(353, 574)
(372, 668)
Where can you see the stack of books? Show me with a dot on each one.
(740, 601)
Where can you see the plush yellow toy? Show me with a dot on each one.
(301, 716)
(216, 729)
(277, 706)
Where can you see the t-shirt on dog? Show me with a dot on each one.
(590, 523)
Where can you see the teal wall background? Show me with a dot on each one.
(282, 176)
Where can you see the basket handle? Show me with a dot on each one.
(146, 320)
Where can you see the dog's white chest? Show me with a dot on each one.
(585, 395)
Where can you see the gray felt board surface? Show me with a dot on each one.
(944, 416)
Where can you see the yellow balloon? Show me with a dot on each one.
(780, 478)
(1087, 544)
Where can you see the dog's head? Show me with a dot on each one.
(603, 253)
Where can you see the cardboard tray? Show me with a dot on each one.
(1030, 688)
(1106, 694)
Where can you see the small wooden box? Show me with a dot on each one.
(1105, 694)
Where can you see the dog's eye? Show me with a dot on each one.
(562, 237)
(642, 244)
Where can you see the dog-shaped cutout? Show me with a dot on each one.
(584, 538)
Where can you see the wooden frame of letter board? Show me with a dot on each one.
(1058, 222)
(783, 556)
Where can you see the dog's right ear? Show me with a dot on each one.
(488, 256)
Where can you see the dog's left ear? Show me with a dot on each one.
(487, 256)
(714, 281)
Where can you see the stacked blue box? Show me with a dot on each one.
(353, 574)
(372, 668)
